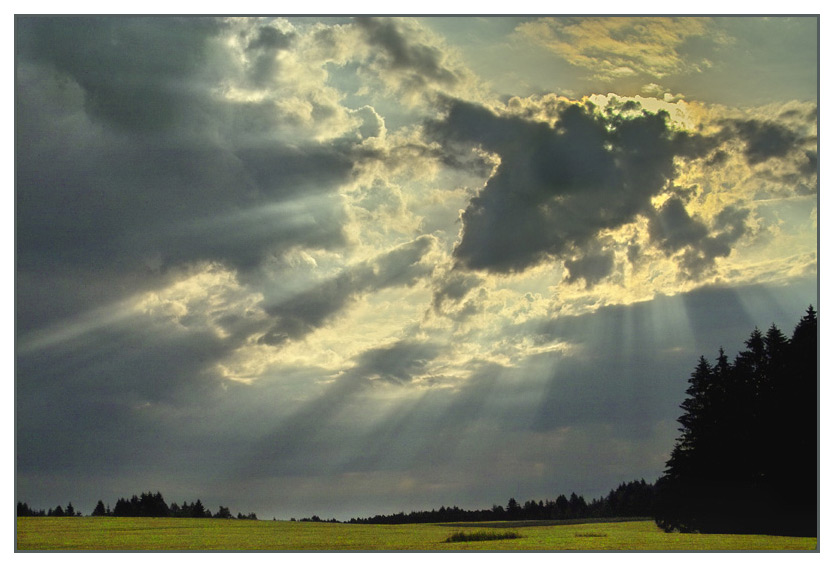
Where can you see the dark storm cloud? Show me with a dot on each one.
(313, 308)
(129, 169)
(731, 224)
(812, 165)
(557, 187)
(396, 49)
(131, 69)
(591, 268)
(128, 165)
(262, 48)
(269, 38)
(453, 288)
(398, 363)
(672, 229)
(765, 140)
(790, 140)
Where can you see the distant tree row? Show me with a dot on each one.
(633, 499)
(315, 518)
(23, 509)
(746, 460)
(148, 505)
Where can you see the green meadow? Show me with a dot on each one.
(107, 533)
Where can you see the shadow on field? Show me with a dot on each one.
(537, 523)
(480, 536)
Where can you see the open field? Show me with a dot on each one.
(210, 534)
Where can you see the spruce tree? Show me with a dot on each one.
(746, 459)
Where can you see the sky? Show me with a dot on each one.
(354, 266)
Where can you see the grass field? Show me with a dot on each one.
(211, 534)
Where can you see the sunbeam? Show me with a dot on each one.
(338, 265)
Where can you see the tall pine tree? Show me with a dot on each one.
(746, 459)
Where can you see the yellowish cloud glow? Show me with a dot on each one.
(618, 47)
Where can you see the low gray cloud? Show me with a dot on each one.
(557, 187)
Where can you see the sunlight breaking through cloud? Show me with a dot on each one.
(347, 265)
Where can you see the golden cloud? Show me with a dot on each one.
(619, 47)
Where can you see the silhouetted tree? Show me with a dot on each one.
(23, 509)
(197, 510)
(152, 506)
(578, 506)
(798, 394)
(748, 443)
(562, 507)
(513, 509)
(99, 510)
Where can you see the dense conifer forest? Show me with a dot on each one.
(747, 457)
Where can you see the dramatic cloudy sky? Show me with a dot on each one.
(347, 266)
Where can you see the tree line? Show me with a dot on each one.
(633, 499)
(746, 460)
(148, 505)
(23, 509)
